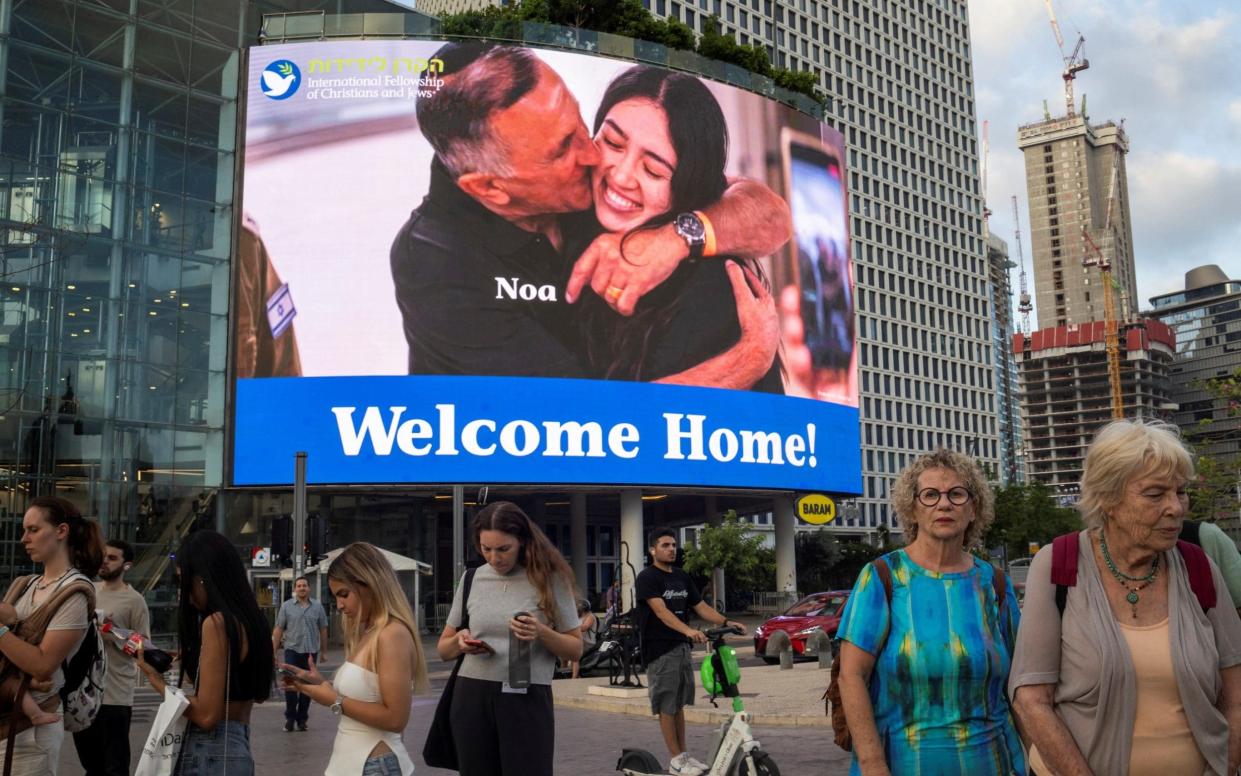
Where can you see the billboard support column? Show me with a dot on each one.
(299, 514)
(715, 519)
(633, 544)
(577, 538)
(458, 532)
(786, 551)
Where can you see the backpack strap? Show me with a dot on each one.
(885, 576)
(1064, 552)
(1001, 592)
(1201, 581)
(467, 583)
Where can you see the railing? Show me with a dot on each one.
(317, 25)
(772, 603)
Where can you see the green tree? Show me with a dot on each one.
(1025, 513)
(731, 546)
(1213, 493)
(817, 554)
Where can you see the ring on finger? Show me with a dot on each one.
(614, 292)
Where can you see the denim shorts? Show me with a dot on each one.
(224, 751)
(385, 764)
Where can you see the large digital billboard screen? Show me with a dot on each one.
(479, 263)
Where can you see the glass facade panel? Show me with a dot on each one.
(116, 178)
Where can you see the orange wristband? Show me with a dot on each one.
(708, 247)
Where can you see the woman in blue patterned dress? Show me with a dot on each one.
(927, 637)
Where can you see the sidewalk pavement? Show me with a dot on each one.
(775, 697)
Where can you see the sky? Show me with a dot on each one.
(1172, 70)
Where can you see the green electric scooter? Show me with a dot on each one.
(734, 750)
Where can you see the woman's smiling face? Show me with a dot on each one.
(633, 182)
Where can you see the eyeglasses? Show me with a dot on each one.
(929, 497)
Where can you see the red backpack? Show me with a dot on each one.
(1064, 553)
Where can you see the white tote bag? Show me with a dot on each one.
(163, 744)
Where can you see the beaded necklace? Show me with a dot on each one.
(1124, 579)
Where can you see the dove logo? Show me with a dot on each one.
(280, 79)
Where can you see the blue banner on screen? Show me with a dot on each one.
(413, 429)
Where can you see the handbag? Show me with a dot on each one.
(163, 744)
(440, 750)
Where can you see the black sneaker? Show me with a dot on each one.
(288, 726)
(301, 726)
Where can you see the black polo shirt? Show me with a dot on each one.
(478, 295)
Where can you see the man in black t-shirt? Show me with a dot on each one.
(666, 596)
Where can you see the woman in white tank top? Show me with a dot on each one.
(384, 666)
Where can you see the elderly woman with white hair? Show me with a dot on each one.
(1128, 656)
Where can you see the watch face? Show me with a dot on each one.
(690, 227)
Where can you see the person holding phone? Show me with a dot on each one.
(383, 668)
(499, 728)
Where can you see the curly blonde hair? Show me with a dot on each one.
(905, 493)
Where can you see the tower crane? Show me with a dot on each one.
(1096, 258)
(1073, 63)
(986, 166)
(1023, 301)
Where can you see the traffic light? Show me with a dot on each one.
(282, 538)
(316, 538)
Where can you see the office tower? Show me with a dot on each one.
(1064, 375)
(899, 81)
(1206, 318)
(1007, 384)
(1079, 201)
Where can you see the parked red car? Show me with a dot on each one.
(821, 610)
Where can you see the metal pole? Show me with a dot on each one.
(458, 532)
(299, 515)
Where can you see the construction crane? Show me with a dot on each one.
(986, 165)
(1096, 258)
(1023, 301)
(1073, 63)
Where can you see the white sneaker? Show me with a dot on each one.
(699, 764)
(682, 765)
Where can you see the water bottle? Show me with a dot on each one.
(131, 641)
(518, 658)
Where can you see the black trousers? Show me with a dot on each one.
(502, 734)
(103, 748)
(296, 705)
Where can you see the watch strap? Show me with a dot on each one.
(708, 245)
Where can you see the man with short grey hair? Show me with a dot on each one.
(478, 268)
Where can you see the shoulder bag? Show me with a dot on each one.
(440, 750)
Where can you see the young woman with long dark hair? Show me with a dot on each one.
(501, 729)
(663, 142)
(70, 549)
(383, 668)
(225, 652)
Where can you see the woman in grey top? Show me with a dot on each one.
(1134, 678)
(501, 729)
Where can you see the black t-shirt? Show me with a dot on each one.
(679, 594)
(478, 295)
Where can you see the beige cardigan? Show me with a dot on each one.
(1087, 658)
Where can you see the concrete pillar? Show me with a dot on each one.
(786, 552)
(577, 539)
(714, 519)
(633, 537)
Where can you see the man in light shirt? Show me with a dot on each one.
(302, 624)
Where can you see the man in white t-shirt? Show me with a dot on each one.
(103, 748)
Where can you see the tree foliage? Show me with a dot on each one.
(1213, 492)
(630, 19)
(747, 564)
(817, 553)
(1025, 512)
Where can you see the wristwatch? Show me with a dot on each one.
(692, 230)
(338, 707)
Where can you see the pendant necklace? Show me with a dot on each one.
(1124, 579)
(43, 584)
